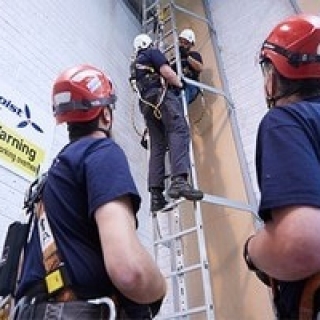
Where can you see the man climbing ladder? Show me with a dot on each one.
(168, 129)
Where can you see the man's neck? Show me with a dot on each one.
(100, 133)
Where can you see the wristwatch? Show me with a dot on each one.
(246, 256)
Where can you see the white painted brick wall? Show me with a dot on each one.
(38, 39)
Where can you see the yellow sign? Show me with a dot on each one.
(19, 152)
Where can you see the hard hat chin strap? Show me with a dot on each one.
(272, 100)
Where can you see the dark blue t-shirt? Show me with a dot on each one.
(288, 169)
(187, 69)
(152, 59)
(85, 175)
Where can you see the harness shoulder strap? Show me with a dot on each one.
(306, 308)
(56, 279)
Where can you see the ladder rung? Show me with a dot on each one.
(170, 206)
(182, 271)
(148, 21)
(152, 6)
(175, 236)
(167, 19)
(170, 47)
(167, 34)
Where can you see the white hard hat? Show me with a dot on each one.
(189, 35)
(142, 41)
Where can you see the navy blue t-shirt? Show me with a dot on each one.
(85, 175)
(151, 57)
(288, 168)
(154, 59)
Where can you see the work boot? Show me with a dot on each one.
(180, 187)
(158, 201)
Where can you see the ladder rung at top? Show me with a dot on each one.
(176, 235)
(150, 13)
(183, 271)
(147, 9)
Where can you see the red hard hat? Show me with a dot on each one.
(79, 94)
(293, 46)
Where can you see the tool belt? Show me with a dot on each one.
(38, 304)
(27, 310)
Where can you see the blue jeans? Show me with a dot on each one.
(191, 92)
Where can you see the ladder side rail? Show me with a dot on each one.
(206, 279)
(177, 263)
(144, 14)
(176, 43)
(176, 247)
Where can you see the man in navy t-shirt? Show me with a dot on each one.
(284, 253)
(166, 124)
(91, 203)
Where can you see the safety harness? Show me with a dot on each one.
(307, 299)
(57, 281)
(306, 308)
(150, 76)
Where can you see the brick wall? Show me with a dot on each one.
(38, 39)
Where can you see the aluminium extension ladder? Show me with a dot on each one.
(159, 22)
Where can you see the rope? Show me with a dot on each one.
(155, 107)
(133, 119)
